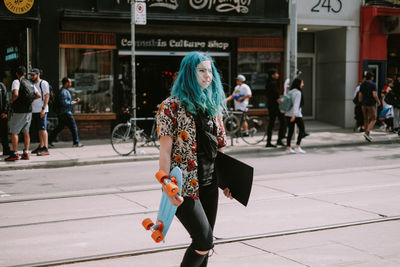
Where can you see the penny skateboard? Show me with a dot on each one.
(166, 212)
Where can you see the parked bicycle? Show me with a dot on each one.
(127, 137)
(233, 122)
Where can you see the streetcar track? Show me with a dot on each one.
(218, 241)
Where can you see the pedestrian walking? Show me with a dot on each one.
(295, 116)
(191, 131)
(23, 94)
(396, 103)
(240, 96)
(358, 114)
(368, 96)
(4, 108)
(386, 115)
(65, 117)
(40, 108)
(273, 94)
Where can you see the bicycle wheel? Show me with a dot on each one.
(122, 139)
(256, 131)
(231, 124)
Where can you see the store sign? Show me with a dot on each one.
(11, 53)
(175, 44)
(220, 6)
(19, 6)
(328, 12)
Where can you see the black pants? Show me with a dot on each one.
(65, 119)
(4, 135)
(198, 217)
(273, 115)
(299, 122)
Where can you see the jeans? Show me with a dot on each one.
(4, 135)
(282, 125)
(198, 217)
(396, 117)
(65, 119)
(299, 122)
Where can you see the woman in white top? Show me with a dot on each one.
(294, 116)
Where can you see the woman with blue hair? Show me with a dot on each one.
(190, 130)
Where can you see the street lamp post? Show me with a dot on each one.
(293, 39)
(133, 61)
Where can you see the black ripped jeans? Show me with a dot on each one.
(198, 217)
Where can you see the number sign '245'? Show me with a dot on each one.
(327, 5)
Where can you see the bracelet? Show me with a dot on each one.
(43, 108)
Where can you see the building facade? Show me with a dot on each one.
(90, 42)
(328, 56)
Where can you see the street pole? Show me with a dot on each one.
(133, 59)
(293, 39)
(133, 67)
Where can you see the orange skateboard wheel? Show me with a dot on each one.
(147, 223)
(157, 236)
(172, 189)
(161, 175)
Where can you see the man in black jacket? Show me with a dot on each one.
(4, 106)
(273, 94)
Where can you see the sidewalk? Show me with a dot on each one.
(100, 151)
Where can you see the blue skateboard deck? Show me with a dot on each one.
(166, 211)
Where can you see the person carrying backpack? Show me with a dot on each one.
(295, 116)
(40, 108)
(23, 94)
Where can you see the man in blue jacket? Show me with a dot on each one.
(65, 118)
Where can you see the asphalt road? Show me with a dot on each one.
(329, 207)
(71, 179)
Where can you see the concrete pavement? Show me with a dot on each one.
(108, 226)
(101, 152)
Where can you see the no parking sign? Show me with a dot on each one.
(140, 13)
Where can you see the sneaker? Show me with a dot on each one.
(270, 145)
(367, 137)
(43, 152)
(290, 151)
(77, 145)
(25, 155)
(14, 156)
(299, 150)
(245, 134)
(36, 150)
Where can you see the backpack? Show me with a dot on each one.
(54, 99)
(285, 103)
(26, 93)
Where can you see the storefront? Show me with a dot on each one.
(18, 24)
(89, 41)
(328, 56)
(380, 40)
(95, 51)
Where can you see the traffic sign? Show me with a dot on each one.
(140, 13)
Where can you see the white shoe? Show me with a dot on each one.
(299, 150)
(290, 151)
(367, 137)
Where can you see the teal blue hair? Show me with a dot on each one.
(186, 88)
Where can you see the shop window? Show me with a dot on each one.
(254, 65)
(91, 72)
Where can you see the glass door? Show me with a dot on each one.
(305, 63)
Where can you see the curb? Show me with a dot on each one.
(230, 150)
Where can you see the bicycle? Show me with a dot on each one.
(233, 122)
(126, 137)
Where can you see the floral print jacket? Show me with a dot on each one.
(173, 120)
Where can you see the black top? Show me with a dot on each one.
(272, 92)
(4, 103)
(207, 147)
(366, 90)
